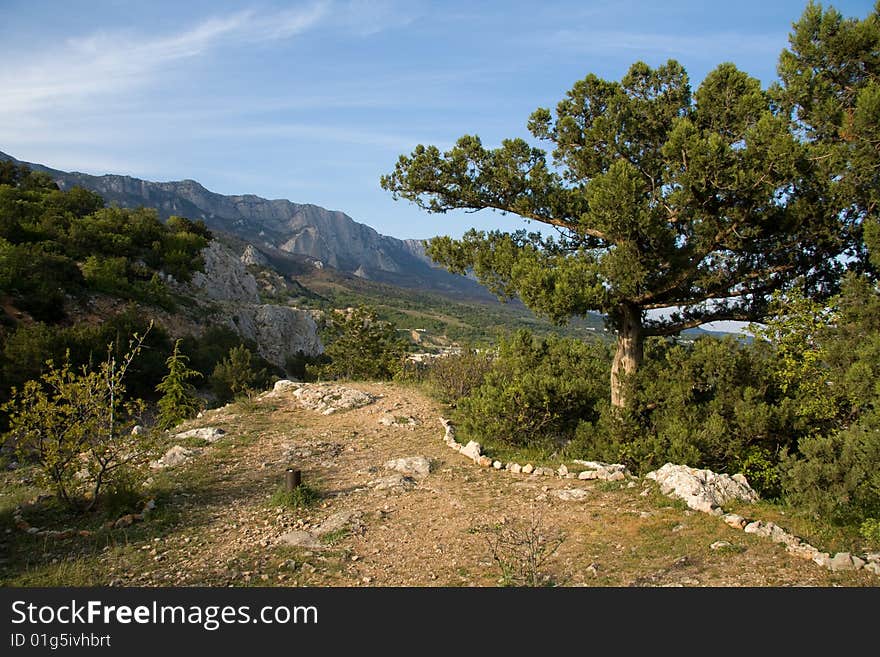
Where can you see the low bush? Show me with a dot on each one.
(536, 392)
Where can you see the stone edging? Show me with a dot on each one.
(615, 472)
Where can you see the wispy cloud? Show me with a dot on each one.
(611, 41)
(114, 62)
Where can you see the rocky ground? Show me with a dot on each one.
(398, 507)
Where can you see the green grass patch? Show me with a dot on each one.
(301, 497)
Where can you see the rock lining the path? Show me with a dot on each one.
(702, 490)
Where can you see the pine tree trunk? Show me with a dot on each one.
(628, 356)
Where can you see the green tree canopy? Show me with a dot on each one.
(694, 205)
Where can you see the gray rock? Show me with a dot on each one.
(701, 490)
(572, 494)
(253, 257)
(279, 331)
(302, 539)
(822, 559)
(873, 567)
(225, 278)
(414, 466)
(840, 562)
(349, 520)
(393, 482)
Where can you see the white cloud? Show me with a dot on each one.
(111, 63)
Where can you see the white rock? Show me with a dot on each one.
(563, 470)
(544, 472)
(572, 494)
(701, 490)
(587, 475)
(327, 398)
(472, 450)
(528, 468)
(720, 545)
(822, 559)
(516, 468)
(137, 430)
(283, 385)
(209, 434)
(174, 456)
(873, 567)
(416, 466)
(498, 465)
(734, 520)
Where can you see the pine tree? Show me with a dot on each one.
(179, 401)
(669, 208)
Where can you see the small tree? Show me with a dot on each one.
(179, 401)
(361, 346)
(236, 375)
(671, 208)
(76, 425)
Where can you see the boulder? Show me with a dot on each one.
(326, 398)
(701, 490)
(285, 385)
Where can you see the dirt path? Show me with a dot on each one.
(428, 534)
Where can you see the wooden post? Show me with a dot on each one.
(292, 479)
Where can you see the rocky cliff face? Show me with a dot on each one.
(329, 237)
(279, 331)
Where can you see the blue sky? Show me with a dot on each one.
(314, 101)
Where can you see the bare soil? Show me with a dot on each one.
(220, 528)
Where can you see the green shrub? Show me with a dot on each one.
(870, 531)
(238, 374)
(711, 404)
(836, 477)
(77, 427)
(536, 392)
(454, 376)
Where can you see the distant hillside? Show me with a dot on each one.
(325, 237)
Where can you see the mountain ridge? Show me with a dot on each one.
(326, 237)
